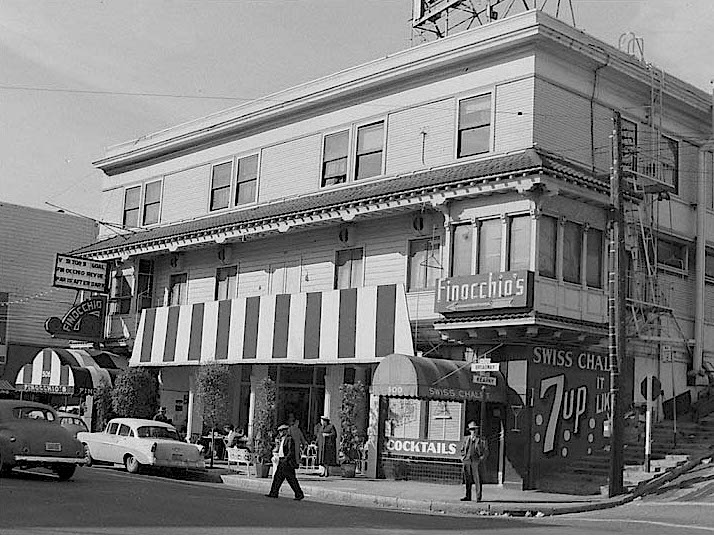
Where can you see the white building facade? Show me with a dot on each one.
(444, 203)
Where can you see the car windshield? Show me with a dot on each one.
(33, 413)
(157, 432)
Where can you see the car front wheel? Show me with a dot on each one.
(131, 464)
(64, 471)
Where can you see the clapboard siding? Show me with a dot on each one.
(289, 168)
(29, 240)
(111, 211)
(561, 122)
(513, 118)
(433, 124)
(185, 194)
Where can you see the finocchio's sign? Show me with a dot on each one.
(507, 289)
(419, 447)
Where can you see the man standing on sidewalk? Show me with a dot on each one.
(474, 451)
(286, 465)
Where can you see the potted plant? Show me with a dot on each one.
(264, 427)
(353, 421)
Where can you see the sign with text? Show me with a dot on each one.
(484, 365)
(78, 273)
(422, 447)
(84, 321)
(479, 379)
(485, 291)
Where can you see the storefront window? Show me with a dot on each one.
(444, 422)
(403, 418)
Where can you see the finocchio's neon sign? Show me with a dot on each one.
(421, 447)
(486, 290)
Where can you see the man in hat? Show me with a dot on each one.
(161, 415)
(474, 450)
(286, 465)
(326, 436)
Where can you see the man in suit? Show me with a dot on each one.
(474, 450)
(287, 464)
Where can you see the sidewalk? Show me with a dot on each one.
(421, 497)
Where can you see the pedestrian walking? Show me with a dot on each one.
(474, 450)
(326, 436)
(286, 465)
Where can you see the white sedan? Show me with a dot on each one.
(136, 443)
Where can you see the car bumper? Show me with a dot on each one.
(43, 459)
(191, 465)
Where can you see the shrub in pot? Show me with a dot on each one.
(353, 422)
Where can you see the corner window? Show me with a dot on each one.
(490, 238)
(226, 278)
(152, 203)
(370, 146)
(247, 181)
(349, 266)
(424, 265)
(221, 186)
(548, 246)
(145, 285)
(178, 289)
(334, 158)
(121, 295)
(519, 242)
(462, 250)
(132, 205)
(474, 135)
(572, 252)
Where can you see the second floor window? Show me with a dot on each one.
(424, 265)
(672, 255)
(349, 268)
(370, 146)
(490, 237)
(572, 252)
(226, 278)
(145, 285)
(519, 242)
(334, 158)
(221, 186)
(132, 206)
(152, 203)
(121, 295)
(548, 246)
(474, 126)
(594, 258)
(178, 289)
(247, 181)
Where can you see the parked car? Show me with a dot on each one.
(137, 443)
(72, 423)
(31, 437)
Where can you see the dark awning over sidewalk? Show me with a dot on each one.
(438, 379)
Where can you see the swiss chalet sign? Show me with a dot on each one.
(485, 291)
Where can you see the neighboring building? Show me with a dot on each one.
(443, 203)
(29, 240)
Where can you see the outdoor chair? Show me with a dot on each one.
(239, 457)
(308, 457)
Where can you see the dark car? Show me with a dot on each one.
(72, 423)
(32, 437)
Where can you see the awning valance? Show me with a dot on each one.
(352, 325)
(5, 386)
(437, 379)
(69, 371)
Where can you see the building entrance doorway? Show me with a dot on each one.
(301, 394)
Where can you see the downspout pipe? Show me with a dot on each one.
(706, 169)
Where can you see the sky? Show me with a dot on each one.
(78, 76)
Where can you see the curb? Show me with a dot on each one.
(340, 497)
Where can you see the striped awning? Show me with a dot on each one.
(412, 376)
(68, 371)
(5, 386)
(350, 325)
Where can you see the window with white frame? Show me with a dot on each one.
(474, 136)
(335, 154)
(226, 280)
(247, 180)
(349, 268)
(132, 206)
(462, 250)
(489, 245)
(152, 203)
(548, 246)
(519, 242)
(572, 252)
(221, 186)
(594, 257)
(121, 294)
(178, 283)
(145, 285)
(370, 148)
(424, 265)
(671, 254)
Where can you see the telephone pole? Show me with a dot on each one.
(616, 309)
